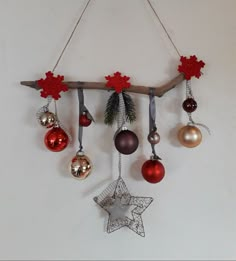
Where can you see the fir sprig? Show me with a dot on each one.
(112, 108)
(129, 108)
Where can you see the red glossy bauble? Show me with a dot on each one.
(126, 142)
(153, 171)
(189, 105)
(84, 120)
(56, 139)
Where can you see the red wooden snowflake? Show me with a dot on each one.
(52, 86)
(190, 67)
(117, 82)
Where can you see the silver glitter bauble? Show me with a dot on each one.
(154, 137)
(80, 166)
(47, 119)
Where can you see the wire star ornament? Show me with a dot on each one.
(123, 209)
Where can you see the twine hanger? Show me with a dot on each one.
(81, 16)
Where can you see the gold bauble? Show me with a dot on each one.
(190, 136)
(47, 119)
(80, 166)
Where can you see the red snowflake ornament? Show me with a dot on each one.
(190, 67)
(117, 82)
(52, 86)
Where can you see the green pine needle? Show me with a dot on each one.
(112, 109)
(129, 108)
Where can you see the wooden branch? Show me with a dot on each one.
(159, 91)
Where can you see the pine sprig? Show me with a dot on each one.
(129, 107)
(112, 109)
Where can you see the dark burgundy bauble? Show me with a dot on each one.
(153, 171)
(189, 105)
(126, 142)
(56, 139)
(84, 120)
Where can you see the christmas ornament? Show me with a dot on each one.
(56, 139)
(189, 105)
(124, 210)
(80, 165)
(153, 171)
(52, 86)
(126, 142)
(190, 136)
(190, 67)
(119, 83)
(84, 120)
(153, 137)
(116, 199)
(47, 119)
(121, 105)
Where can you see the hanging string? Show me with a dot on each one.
(120, 123)
(68, 41)
(189, 94)
(164, 28)
(49, 98)
(70, 37)
(44, 108)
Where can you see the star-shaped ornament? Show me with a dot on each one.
(123, 209)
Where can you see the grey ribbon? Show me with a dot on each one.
(82, 109)
(152, 110)
(152, 118)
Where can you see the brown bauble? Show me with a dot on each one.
(190, 136)
(126, 142)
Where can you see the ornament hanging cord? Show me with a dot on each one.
(164, 28)
(80, 18)
(63, 51)
(121, 122)
(70, 37)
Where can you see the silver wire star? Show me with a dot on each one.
(120, 205)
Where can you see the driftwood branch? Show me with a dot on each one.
(159, 91)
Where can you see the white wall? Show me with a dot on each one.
(46, 214)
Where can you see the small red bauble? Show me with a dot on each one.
(84, 120)
(56, 139)
(153, 171)
(189, 105)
